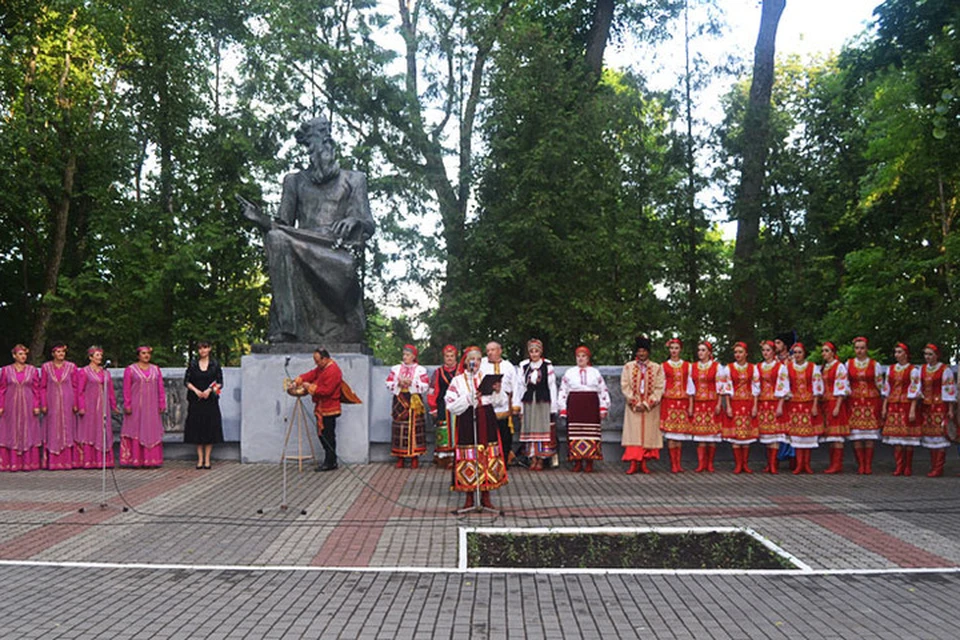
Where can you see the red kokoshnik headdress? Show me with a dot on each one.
(675, 341)
(800, 344)
(742, 345)
(830, 346)
(861, 339)
(933, 348)
(412, 349)
(903, 346)
(768, 343)
(450, 349)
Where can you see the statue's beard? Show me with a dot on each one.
(323, 166)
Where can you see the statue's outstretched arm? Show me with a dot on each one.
(252, 213)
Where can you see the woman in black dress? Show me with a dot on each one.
(204, 427)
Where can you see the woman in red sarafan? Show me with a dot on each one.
(939, 392)
(866, 390)
(803, 411)
(901, 428)
(836, 414)
(742, 385)
(674, 407)
(774, 388)
(706, 423)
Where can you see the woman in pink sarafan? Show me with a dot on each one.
(58, 404)
(21, 439)
(94, 425)
(141, 438)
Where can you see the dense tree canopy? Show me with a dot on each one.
(522, 188)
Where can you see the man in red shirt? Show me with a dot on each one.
(324, 384)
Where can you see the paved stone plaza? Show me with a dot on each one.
(376, 555)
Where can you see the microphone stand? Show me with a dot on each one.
(105, 419)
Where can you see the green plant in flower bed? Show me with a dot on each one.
(713, 550)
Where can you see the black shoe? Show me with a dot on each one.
(329, 467)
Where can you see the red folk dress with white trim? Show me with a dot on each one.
(674, 421)
(708, 382)
(937, 389)
(774, 385)
(806, 383)
(836, 387)
(901, 387)
(742, 387)
(865, 401)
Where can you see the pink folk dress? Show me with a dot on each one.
(58, 393)
(21, 438)
(94, 426)
(141, 438)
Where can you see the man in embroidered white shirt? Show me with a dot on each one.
(495, 364)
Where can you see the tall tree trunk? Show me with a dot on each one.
(749, 203)
(598, 35)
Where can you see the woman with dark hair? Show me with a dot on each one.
(58, 404)
(804, 425)
(21, 438)
(584, 400)
(743, 388)
(836, 413)
(939, 393)
(866, 390)
(704, 410)
(774, 387)
(204, 425)
(144, 400)
(96, 400)
(679, 389)
(901, 428)
(407, 382)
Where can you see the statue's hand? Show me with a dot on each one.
(346, 228)
(251, 211)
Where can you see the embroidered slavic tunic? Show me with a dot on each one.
(583, 396)
(409, 415)
(642, 383)
(478, 457)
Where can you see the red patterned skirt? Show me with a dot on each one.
(742, 428)
(478, 456)
(583, 426)
(835, 429)
(673, 416)
(897, 429)
(771, 429)
(706, 425)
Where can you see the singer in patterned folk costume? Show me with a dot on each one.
(677, 396)
(804, 424)
(479, 460)
(494, 363)
(535, 398)
(407, 381)
(836, 412)
(443, 420)
(774, 387)
(705, 419)
(58, 393)
(144, 399)
(902, 427)
(939, 393)
(21, 440)
(96, 401)
(866, 389)
(742, 386)
(584, 400)
(642, 383)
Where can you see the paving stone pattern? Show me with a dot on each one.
(379, 516)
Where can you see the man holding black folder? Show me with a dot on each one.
(495, 364)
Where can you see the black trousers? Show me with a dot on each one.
(506, 438)
(328, 440)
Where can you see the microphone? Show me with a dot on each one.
(286, 361)
(108, 364)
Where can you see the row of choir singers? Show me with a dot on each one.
(782, 399)
(59, 416)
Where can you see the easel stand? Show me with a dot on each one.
(299, 420)
(477, 506)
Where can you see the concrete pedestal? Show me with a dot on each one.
(266, 408)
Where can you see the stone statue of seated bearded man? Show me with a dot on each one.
(324, 213)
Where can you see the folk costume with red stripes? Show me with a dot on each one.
(836, 412)
(804, 428)
(407, 382)
(443, 420)
(903, 420)
(866, 388)
(706, 424)
(584, 400)
(678, 380)
(939, 392)
(478, 455)
(742, 385)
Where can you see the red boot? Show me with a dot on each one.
(578, 466)
(798, 461)
(898, 458)
(588, 466)
(772, 460)
(399, 463)
(859, 453)
(737, 460)
(868, 460)
(675, 464)
(937, 458)
(701, 458)
(836, 461)
(485, 500)
(908, 461)
(468, 503)
(745, 459)
(414, 463)
(806, 461)
(711, 452)
(643, 466)
(633, 468)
